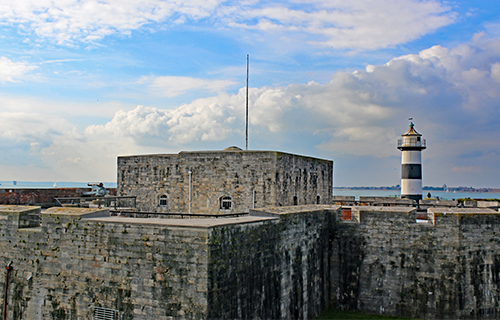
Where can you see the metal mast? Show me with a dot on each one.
(246, 118)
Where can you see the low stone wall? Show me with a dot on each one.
(438, 203)
(344, 200)
(41, 196)
(385, 201)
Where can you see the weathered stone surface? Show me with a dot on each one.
(274, 270)
(45, 197)
(278, 263)
(251, 179)
(446, 268)
(69, 265)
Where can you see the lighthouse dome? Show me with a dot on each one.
(411, 131)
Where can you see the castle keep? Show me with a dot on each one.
(225, 181)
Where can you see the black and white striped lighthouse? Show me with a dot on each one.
(411, 145)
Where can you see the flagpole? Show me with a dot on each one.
(246, 118)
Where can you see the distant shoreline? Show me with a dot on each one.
(12, 184)
(440, 189)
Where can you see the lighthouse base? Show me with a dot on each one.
(416, 197)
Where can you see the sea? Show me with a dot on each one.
(434, 194)
(336, 192)
(49, 184)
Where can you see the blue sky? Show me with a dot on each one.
(82, 82)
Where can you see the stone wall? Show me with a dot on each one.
(274, 270)
(309, 179)
(277, 263)
(446, 268)
(274, 265)
(72, 264)
(44, 196)
(252, 179)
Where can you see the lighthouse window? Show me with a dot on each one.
(225, 203)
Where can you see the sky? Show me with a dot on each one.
(82, 82)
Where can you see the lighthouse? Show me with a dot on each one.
(411, 145)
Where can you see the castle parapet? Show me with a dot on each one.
(385, 201)
(21, 216)
(436, 216)
(344, 200)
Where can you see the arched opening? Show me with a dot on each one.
(295, 200)
(225, 203)
(318, 199)
(163, 201)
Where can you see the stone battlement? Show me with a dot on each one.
(275, 263)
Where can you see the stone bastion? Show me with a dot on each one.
(275, 263)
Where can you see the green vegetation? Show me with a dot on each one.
(476, 199)
(332, 314)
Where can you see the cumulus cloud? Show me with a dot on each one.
(25, 135)
(36, 146)
(361, 24)
(208, 119)
(452, 94)
(11, 71)
(449, 87)
(170, 86)
(30, 127)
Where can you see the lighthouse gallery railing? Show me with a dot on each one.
(411, 142)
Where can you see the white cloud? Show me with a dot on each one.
(68, 20)
(171, 86)
(358, 25)
(452, 94)
(495, 71)
(31, 127)
(354, 25)
(11, 71)
(208, 119)
(31, 105)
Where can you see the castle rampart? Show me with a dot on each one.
(276, 263)
(444, 268)
(82, 260)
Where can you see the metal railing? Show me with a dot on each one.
(411, 143)
(147, 214)
(109, 202)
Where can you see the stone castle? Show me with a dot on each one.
(224, 181)
(289, 253)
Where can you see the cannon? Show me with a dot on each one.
(98, 190)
